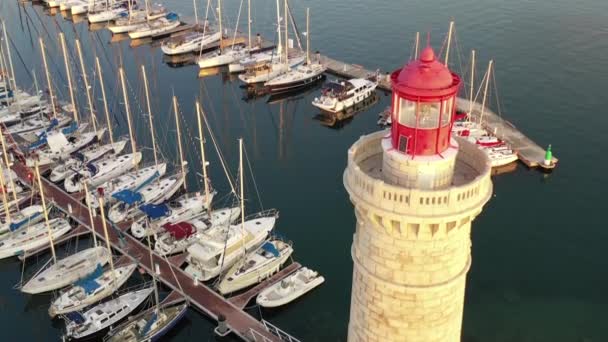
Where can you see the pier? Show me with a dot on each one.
(197, 294)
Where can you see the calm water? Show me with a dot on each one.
(539, 270)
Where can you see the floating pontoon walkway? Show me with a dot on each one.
(529, 152)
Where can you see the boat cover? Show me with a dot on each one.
(39, 143)
(270, 248)
(179, 230)
(56, 141)
(128, 196)
(78, 156)
(88, 283)
(75, 317)
(172, 16)
(73, 127)
(149, 324)
(16, 225)
(155, 211)
(148, 181)
(92, 169)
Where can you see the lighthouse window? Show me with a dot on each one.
(407, 113)
(428, 115)
(446, 112)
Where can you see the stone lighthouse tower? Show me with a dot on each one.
(416, 190)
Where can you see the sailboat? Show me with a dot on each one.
(60, 147)
(302, 75)
(157, 26)
(33, 237)
(176, 237)
(261, 72)
(101, 171)
(104, 315)
(24, 218)
(193, 41)
(111, 11)
(256, 266)
(221, 247)
(136, 18)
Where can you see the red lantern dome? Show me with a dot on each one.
(423, 107)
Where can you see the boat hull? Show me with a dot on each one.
(293, 86)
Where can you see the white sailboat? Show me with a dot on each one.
(105, 314)
(256, 266)
(136, 18)
(24, 218)
(155, 193)
(91, 289)
(178, 236)
(60, 147)
(182, 209)
(157, 26)
(191, 42)
(33, 237)
(111, 11)
(290, 288)
(102, 171)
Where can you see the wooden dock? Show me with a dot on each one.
(197, 294)
(529, 152)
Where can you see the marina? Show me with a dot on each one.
(226, 304)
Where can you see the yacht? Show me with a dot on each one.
(337, 96)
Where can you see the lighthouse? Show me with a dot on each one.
(416, 190)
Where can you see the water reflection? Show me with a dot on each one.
(340, 119)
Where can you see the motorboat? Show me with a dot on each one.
(337, 95)
(289, 289)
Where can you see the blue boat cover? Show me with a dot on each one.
(88, 283)
(147, 181)
(155, 211)
(71, 128)
(128, 196)
(270, 248)
(54, 123)
(16, 225)
(39, 143)
(75, 317)
(91, 167)
(148, 325)
(78, 156)
(172, 16)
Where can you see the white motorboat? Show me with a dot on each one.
(81, 158)
(67, 270)
(337, 96)
(104, 315)
(221, 248)
(191, 42)
(102, 171)
(290, 288)
(33, 237)
(155, 193)
(90, 289)
(137, 18)
(299, 77)
(128, 181)
(177, 237)
(60, 147)
(149, 325)
(501, 157)
(266, 71)
(256, 266)
(182, 209)
(154, 27)
(24, 218)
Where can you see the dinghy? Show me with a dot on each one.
(149, 325)
(33, 237)
(79, 159)
(101, 171)
(90, 289)
(222, 247)
(155, 193)
(182, 209)
(177, 237)
(256, 266)
(104, 315)
(67, 270)
(24, 218)
(290, 288)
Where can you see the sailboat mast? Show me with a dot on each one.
(195, 13)
(46, 216)
(87, 199)
(126, 99)
(307, 36)
(4, 197)
(67, 71)
(105, 101)
(249, 21)
(485, 91)
(8, 166)
(219, 14)
(48, 76)
(10, 63)
(86, 86)
(280, 39)
(152, 268)
(35, 81)
(105, 234)
(146, 89)
(447, 50)
(242, 190)
(286, 35)
(179, 141)
(203, 159)
(471, 89)
(417, 45)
